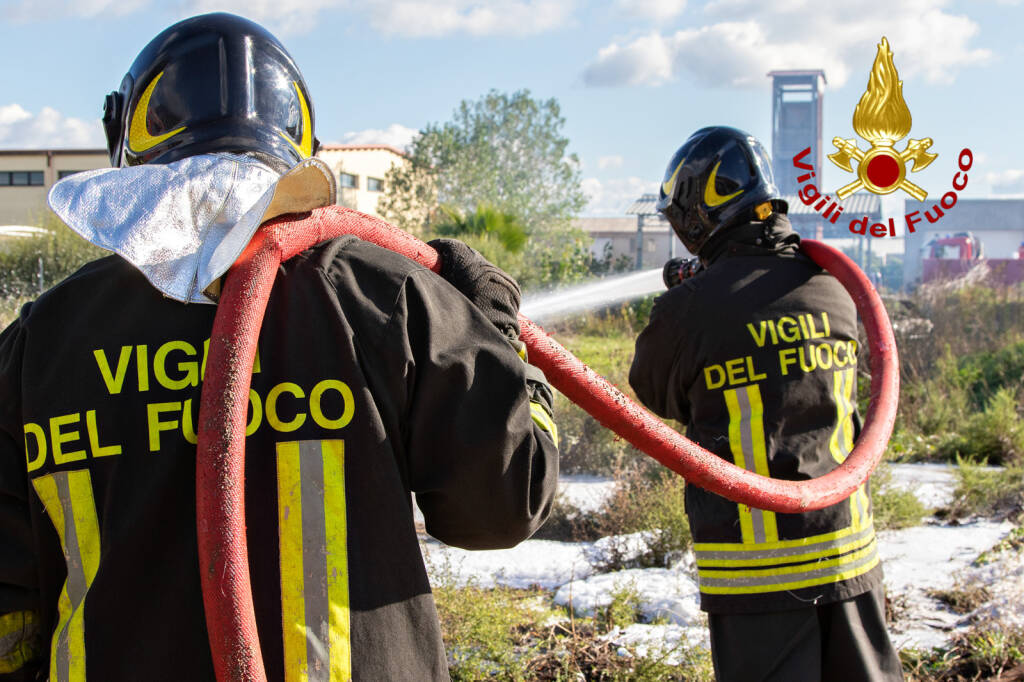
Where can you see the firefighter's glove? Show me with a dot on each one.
(486, 285)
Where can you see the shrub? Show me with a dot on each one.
(983, 653)
(647, 499)
(894, 507)
(939, 402)
(624, 609)
(567, 523)
(967, 349)
(514, 634)
(484, 629)
(56, 255)
(962, 598)
(10, 306)
(582, 651)
(987, 492)
(605, 343)
(990, 372)
(995, 435)
(30, 266)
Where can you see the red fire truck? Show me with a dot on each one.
(953, 255)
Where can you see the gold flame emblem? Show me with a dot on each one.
(882, 118)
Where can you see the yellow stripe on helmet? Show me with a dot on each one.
(139, 139)
(305, 145)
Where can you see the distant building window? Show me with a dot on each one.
(21, 178)
(374, 184)
(348, 180)
(65, 173)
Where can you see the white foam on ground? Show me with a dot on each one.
(915, 560)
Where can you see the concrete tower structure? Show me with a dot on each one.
(796, 123)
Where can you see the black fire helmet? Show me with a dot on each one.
(211, 83)
(719, 178)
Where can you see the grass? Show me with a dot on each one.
(503, 633)
(1014, 541)
(987, 492)
(894, 507)
(962, 598)
(648, 500)
(986, 652)
(605, 342)
(962, 383)
(34, 264)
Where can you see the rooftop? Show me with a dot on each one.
(21, 152)
(360, 147)
(972, 214)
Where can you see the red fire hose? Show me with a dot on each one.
(220, 465)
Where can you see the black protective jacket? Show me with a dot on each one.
(374, 378)
(757, 354)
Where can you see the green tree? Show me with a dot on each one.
(505, 228)
(500, 237)
(504, 151)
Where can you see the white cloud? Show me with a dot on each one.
(606, 162)
(21, 129)
(1010, 181)
(613, 197)
(647, 60)
(495, 17)
(395, 135)
(418, 18)
(281, 17)
(657, 10)
(745, 39)
(35, 10)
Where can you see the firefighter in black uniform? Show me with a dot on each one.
(756, 353)
(374, 379)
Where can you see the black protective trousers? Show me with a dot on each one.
(844, 641)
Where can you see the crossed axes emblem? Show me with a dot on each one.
(881, 168)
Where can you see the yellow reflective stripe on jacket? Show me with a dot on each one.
(764, 556)
(841, 441)
(314, 560)
(790, 577)
(19, 640)
(68, 499)
(860, 508)
(542, 419)
(747, 443)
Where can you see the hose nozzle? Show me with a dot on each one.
(677, 269)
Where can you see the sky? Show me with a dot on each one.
(633, 78)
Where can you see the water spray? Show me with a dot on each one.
(220, 459)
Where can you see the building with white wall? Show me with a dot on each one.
(26, 176)
(361, 171)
